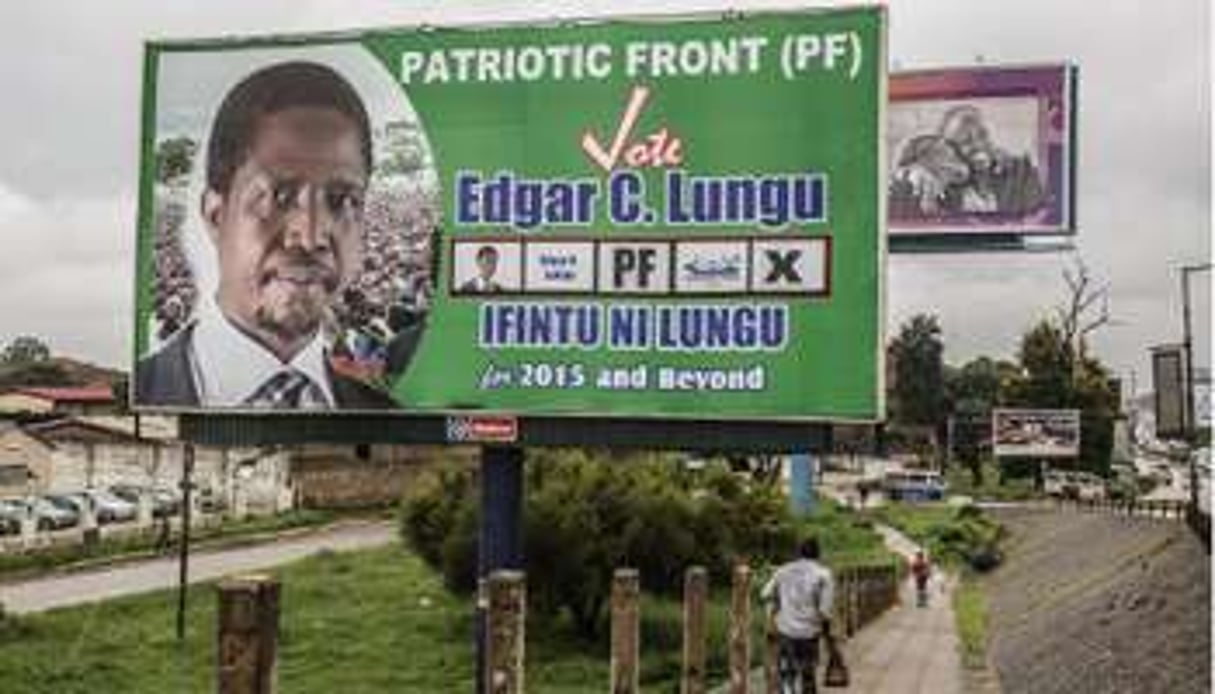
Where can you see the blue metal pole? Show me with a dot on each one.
(801, 483)
(500, 544)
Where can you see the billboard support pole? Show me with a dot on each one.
(187, 473)
(801, 484)
(500, 544)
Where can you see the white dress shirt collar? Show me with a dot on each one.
(229, 366)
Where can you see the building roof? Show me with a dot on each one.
(78, 430)
(88, 394)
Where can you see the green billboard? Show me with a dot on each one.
(663, 217)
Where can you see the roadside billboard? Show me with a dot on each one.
(1035, 433)
(981, 151)
(1168, 388)
(668, 218)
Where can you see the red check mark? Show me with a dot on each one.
(607, 159)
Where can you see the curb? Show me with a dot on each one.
(209, 546)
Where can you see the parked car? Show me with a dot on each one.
(11, 513)
(914, 485)
(1072, 484)
(55, 512)
(165, 502)
(1202, 470)
(109, 507)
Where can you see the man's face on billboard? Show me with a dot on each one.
(289, 231)
(487, 262)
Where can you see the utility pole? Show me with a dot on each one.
(1187, 415)
(1188, 347)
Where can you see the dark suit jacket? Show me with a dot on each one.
(470, 287)
(165, 378)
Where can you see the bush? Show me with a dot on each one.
(431, 513)
(586, 515)
(954, 536)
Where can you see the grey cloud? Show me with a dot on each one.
(71, 74)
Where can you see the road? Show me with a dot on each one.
(76, 588)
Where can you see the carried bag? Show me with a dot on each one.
(836, 674)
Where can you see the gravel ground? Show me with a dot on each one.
(1089, 602)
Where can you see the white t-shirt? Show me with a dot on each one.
(805, 594)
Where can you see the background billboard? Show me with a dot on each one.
(1168, 388)
(671, 219)
(981, 150)
(1035, 433)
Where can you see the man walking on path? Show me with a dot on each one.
(804, 592)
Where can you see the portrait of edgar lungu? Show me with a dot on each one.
(294, 224)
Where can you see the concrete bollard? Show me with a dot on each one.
(248, 635)
(143, 510)
(695, 594)
(29, 526)
(626, 631)
(240, 501)
(89, 530)
(740, 631)
(506, 632)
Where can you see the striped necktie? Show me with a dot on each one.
(285, 390)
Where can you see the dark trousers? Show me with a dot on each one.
(797, 661)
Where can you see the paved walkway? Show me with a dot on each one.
(909, 650)
(102, 584)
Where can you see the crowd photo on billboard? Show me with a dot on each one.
(295, 208)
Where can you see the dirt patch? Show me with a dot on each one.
(1088, 602)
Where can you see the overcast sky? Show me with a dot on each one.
(70, 75)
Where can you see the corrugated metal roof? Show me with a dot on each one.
(94, 394)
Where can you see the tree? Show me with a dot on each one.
(973, 391)
(39, 373)
(1058, 376)
(25, 349)
(976, 387)
(918, 396)
(1046, 360)
(174, 158)
(1086, 310)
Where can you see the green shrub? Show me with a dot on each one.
(431, 513)
(587, 514)
(957, 536)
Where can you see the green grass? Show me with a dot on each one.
(847, 538)
(20, 565)
(970, 616)
(917, 521)
(367, 621)
(953, 535)
(961, 482)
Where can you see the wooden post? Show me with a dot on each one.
(771, 655)
(248, 634)
(740, 631)
(626, 588)
(695, 592)
(506, 632)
